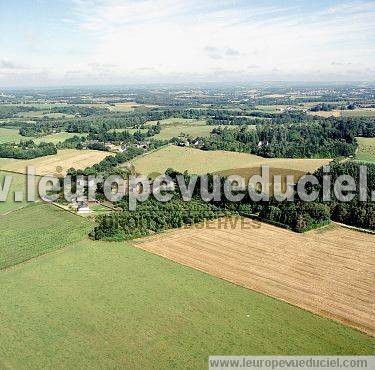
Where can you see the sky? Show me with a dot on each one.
(97, 42)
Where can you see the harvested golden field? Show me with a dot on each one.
(325, 114)
(328, 272)
(67, 158)
(200, 162)
(128, 106)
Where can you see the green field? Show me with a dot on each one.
(39, 106)
(18, 183)
(366, 149)
(199, 161)
(168, 132)
(37, 229)
(175, 127)
(271, 108)
(177, 121)
(358, 113)
(130, 130)
(111, 305)
(46, 114)
(100, 209)
(56, 138)
(10, 135)
(32, 114)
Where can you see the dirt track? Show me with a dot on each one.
(329, 272)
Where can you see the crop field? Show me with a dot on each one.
(200, 162)
(359, 113)
(175, 127)
(271, 108)
(18, 184)
(39, 106)
(56, 138)
(128, 106)
(325, 114)
(67, 158)
(130, 130)
(45, 114)
(32, 114)
(178, 121)
(10, 135)
(110, 305)
(366, 149)
(328, 272)
(123, 107)
(37, 229)
(246, 173)
(170, 131)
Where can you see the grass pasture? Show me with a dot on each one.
(328, 272)
(359, 113)
(43, 114)
(200, 162)
(271, 108)
(18, 184)
(123, 107)
(130, 130)
(10, 135)
(56, 138)
(35, 230)
(110, 305)
(129, 106)
(366, 149)
(178, 122)
(326, 114)
(246, 173)
(168, 132)
(67, 158)
(175, 127)
(32, 114)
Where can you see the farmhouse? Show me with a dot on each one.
(142, 145)
(184, 142)
(199, 144)
(83, 208)
(116, 148)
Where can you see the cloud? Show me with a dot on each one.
(186, 36)
(221, 53)
(231, 52)
(341, 64)
(10, 65)
(183, 39)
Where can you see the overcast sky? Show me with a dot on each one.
(72, 42)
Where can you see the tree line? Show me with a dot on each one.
(153, 216)
(26, 150)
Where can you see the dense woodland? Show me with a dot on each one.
(323, 138)
(154, 216)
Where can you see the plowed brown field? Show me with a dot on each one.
(329, 272)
